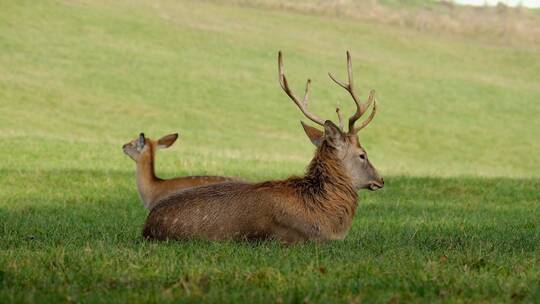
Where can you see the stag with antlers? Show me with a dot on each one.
(319, 206)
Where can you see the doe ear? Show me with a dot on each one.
(333, 135)
(142, 141)
(167, 140)
(315, 135)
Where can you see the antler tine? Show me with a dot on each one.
(370, 117)
(340, 118)
(301, 105)
(341, 84)
(360, 107)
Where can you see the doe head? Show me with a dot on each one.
(144, 146)
(346, 144)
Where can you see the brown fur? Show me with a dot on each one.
(319, 206)
(151, 188)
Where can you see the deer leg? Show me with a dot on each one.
(288, 236)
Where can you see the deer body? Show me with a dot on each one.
(319, 206)
(151, 188)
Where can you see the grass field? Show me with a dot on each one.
(456, 138)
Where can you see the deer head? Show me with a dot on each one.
(142, 146)
(349, 150)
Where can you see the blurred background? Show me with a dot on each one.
(456, 137)
(458, 86)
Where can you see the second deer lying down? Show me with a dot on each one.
(151, 188)
(318, 206)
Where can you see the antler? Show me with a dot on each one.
(340, 118)
(301, 105)
(360, 107)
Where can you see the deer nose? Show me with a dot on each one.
(382, 182)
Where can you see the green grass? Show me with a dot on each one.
(456, 138)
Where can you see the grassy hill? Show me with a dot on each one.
(456, 136)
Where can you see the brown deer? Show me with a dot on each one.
(319, 206)
(151, 188)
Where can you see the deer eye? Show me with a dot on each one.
(362, 156)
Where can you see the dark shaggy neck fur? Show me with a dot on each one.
(326, 180)
(326, 173)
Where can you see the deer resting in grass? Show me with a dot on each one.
(151, 188)
(319, 206)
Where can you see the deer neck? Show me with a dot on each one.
(147, 182)
(326, 178)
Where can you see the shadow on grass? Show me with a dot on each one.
(77, 208)
(77, 233)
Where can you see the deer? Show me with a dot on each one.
(319, 206)
(151, 188)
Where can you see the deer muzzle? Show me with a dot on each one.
(376, 185)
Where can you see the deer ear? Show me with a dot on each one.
(333, 135)
(167, 140)
(141, 141)
(314, 135)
